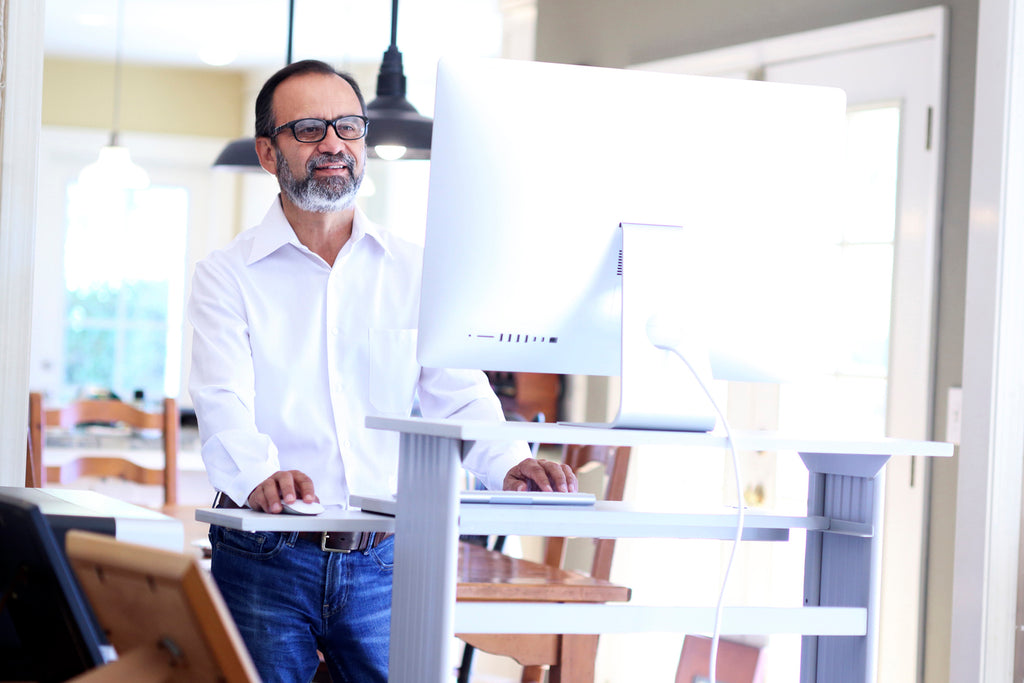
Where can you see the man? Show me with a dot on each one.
(303, 325)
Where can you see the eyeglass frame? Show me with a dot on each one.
(329, 124)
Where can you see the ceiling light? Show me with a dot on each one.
(217, 53)
(239, 155)
(397, 130)
(390, 152)
(114, 168)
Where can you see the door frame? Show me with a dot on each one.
(21, 104)
(989, 475)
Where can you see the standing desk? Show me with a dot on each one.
(839, 619)
(839, 616)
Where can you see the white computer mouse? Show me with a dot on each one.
(301, 508)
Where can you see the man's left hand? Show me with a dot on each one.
(540, 475)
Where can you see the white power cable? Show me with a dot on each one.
(713, 657)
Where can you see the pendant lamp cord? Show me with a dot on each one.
(394, 24)
(118, 56)
(291, 28)
(391, 79)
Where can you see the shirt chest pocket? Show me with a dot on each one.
(393, 370)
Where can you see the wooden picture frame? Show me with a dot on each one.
(160, 610)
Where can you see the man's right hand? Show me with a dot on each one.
(281, 487)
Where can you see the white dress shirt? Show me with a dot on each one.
(289, 355)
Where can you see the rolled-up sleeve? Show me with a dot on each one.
(222, 385)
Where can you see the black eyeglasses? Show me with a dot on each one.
(315, 130)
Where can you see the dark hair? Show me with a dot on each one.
(264, 101)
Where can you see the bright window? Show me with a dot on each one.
(123, 270)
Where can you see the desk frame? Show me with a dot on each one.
(839, 619)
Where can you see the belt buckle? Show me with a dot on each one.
(323, 545)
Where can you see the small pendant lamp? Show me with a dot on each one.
(397, 130)
(114, 168)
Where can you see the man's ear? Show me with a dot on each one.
(267, 155)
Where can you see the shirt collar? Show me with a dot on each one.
(274, 232)
(364, 227)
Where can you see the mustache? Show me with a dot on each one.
(330, 160)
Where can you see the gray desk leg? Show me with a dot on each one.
(844, 569)
(426, 553)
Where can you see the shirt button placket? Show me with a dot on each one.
(335, 375)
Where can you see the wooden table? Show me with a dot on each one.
(527, 581)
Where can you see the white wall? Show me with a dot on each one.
(21, 34)
(988, 521)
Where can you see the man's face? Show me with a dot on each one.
(319, 177)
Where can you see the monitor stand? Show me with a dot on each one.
(663, 301)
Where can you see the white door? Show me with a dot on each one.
(892, 70)
(889, 255)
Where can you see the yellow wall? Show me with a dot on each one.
(154, 99)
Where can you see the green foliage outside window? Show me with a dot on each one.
(109, 321)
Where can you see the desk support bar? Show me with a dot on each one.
(836, 565)
(481, 617)
(426, 554)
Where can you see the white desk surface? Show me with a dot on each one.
(604, 520)
(613, 519)
(331, 520)
(473, 430)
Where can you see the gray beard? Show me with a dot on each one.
(319, 195)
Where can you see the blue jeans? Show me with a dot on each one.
(289, 599)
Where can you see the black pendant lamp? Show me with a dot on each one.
(240, 155)
(397, 130)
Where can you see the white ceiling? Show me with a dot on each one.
(343, 32)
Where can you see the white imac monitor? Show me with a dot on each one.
(579, 217)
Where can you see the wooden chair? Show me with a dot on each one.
(737, 663)
(34, 451)
(489, 575)
(113, 465)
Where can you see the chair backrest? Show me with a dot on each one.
(615, 460)
(34, 452)
(111, 412)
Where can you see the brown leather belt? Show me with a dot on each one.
(345, 541)
(328, 541)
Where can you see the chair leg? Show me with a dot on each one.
(576, 662)
(467, 663)
(532, 674)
